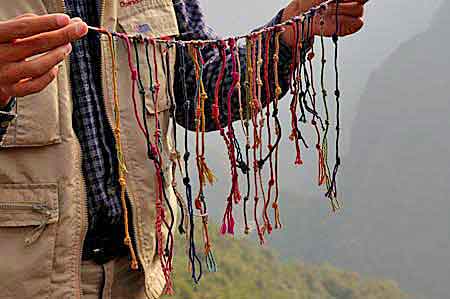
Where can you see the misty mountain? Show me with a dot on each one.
(395, 222)
(397, 177)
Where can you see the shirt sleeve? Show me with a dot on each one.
(6, 117)
(193, 27)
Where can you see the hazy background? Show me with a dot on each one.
(395, 178)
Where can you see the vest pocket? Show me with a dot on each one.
(37, 121)
(154, 20)
(28, 217)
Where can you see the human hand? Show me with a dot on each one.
(46, 38)
(350, 17)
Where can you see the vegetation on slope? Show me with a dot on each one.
(247, 271)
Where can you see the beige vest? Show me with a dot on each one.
(43, 213)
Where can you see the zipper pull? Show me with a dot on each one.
(38, 230)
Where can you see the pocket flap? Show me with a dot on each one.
(28, 204)
(153, 18)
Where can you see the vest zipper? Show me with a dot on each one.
(133, 208)
(84, 216)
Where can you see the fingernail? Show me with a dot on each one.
(80, 28)
(76, 20)
(68, 49)
(62, 20)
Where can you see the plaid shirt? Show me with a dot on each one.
(89, 116)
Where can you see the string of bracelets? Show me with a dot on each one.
(256, 121)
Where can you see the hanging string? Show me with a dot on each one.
(206, 175)
(234, 196)
(165, 59)
(306, 92)
(325, 105)
(192, 254)
(241, 164)
(301, 52)
(271, 182)
(276, 59)
(228, 219)
(310, 90)
(248, 112)
(259, 83)
(120, 156)
(235, 77)
(255, 108)
(295, 135)
(200, 203)
(332, 191)
(175, 156)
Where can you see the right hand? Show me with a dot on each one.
(27, 36)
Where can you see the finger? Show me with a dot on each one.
(23, 27)
(351, 9)
(76, 20)
(42, 43)
(355, 24)
(32, 86)
(348, 25)
(27, 15)
(17, 71)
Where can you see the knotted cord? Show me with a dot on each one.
(120, 156)
(332, 191)
(192, 254)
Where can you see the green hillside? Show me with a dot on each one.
(247, 271)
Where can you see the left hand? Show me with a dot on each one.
(350, 14)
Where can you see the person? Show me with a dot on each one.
(61, 219)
